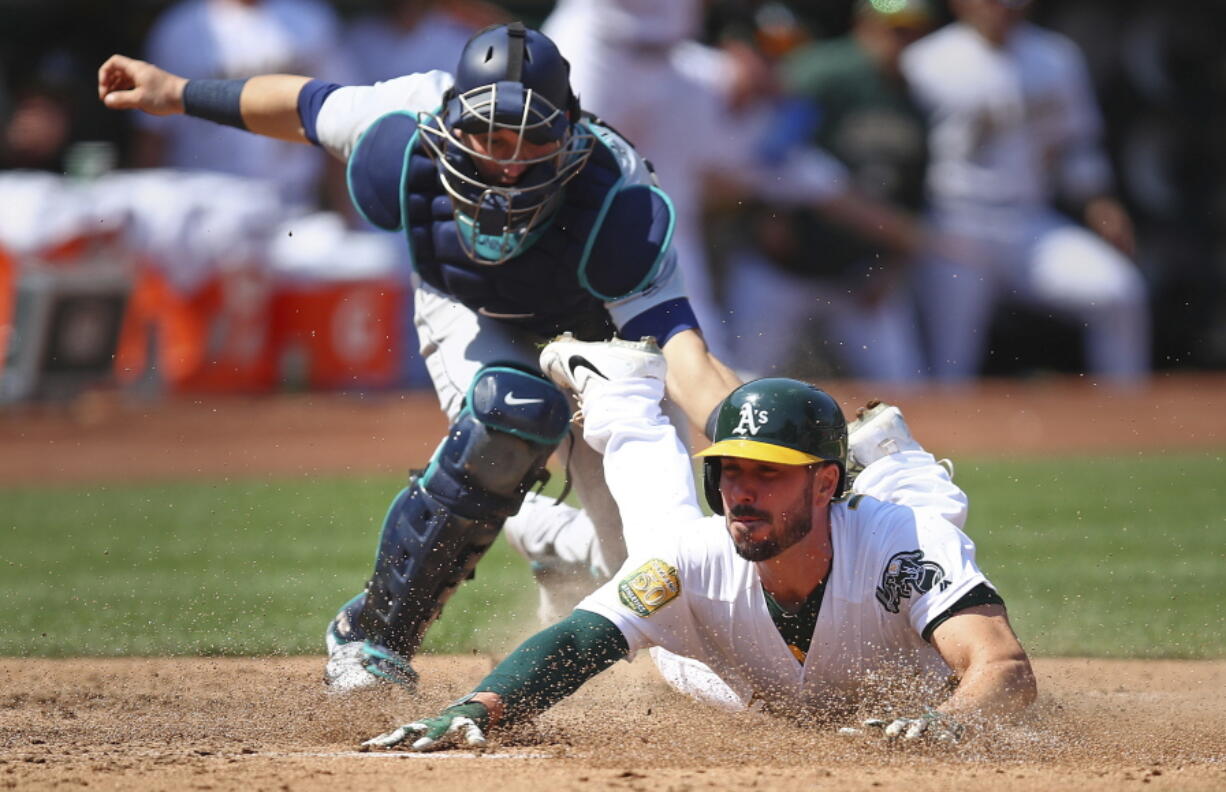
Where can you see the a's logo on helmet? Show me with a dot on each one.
(751, 421)
(908, 573)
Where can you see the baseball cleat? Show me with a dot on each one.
(574, 365)
(878, 431)
(356, 663)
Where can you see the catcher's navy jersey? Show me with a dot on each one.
(603, 261)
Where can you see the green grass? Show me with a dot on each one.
(1105, 557)
(1122, 557)
(221, 568)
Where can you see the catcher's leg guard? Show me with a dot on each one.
(443, 522)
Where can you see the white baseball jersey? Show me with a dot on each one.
(1003, 119)
(894, 570)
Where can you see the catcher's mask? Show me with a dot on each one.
(514, 79)
(784, 421)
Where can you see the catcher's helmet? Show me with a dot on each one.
(778, 420)
(514, 79)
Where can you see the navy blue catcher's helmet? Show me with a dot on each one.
(514, 79)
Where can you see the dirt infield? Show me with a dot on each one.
(231, 724)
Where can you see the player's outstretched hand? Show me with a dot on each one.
(462, 725)
(931, 725)
(128, 84)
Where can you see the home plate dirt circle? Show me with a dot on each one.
(228, 724)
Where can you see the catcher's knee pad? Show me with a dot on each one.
(441, 524)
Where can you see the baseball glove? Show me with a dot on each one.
(931, 725)
(460, 725)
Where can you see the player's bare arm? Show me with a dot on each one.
(994, 672)
(268, 103)
(697, 380)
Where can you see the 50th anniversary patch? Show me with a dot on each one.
(649, 587)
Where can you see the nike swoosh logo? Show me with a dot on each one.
(578, 361)
(514, 400)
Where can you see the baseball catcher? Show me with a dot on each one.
(796, 597)
(524, 217)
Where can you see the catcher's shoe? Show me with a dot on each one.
(878, 431)
(356, 663)
(574, 365)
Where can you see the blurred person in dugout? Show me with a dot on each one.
(808, 291)
(35, 126)
(413, 36)
(1014, 125)
(225, 39)
(701, 114)
(636, 65)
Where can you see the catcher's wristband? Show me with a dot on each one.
(215, 100)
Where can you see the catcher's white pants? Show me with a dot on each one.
(645, 441)
(1039, 257)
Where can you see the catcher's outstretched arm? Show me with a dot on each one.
(697, 380)
(268, 104)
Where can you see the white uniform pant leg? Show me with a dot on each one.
(1075, 271)
(915, 479)
(696, 680)
(650, 475)
(646, 465)
(456, 343)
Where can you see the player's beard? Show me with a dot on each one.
(797, 521)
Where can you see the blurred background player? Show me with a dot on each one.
(677, 112)
(703, 116)
(830, 288)
(412, 36)
(1014, 124)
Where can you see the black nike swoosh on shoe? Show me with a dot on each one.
(579, 360)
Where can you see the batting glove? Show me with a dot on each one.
(464, 724)
(932, 725)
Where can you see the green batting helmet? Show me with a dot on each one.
(778, 420)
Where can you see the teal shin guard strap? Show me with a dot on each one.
(554, 663)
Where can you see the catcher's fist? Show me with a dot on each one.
(464, 724)
(128, 84)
